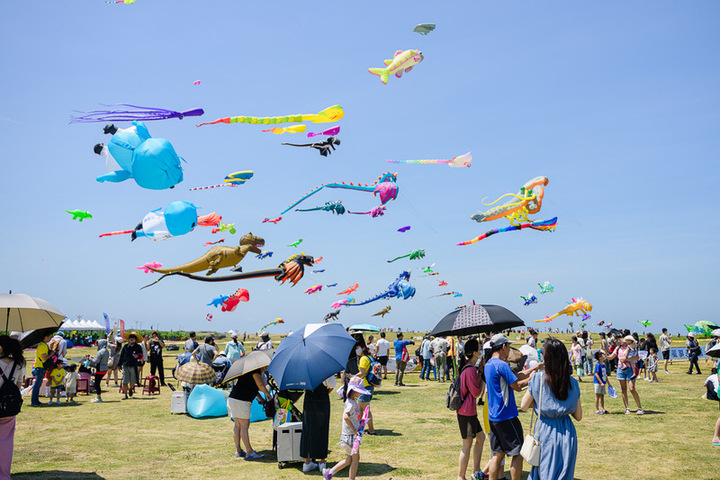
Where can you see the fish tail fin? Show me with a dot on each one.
(380, 72)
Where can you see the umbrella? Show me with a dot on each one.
(714, 351)
(477, 319)
(309, 356)
(22, 313)
(33, 337)
(364, 327)
(195, 372)
(247, 363)
(614, 331)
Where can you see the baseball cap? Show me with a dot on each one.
(233, 335)
(499, 339)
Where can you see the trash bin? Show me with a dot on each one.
(288, 443)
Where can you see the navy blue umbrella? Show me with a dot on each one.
(307, 357)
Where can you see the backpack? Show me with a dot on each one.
(454, 398)
(10, 397)
(374, 375)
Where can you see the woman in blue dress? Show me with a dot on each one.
(560, 399)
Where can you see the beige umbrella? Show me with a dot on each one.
(195, 372)
(22, 313)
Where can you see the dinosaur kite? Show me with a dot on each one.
(218, 301)
(335, 207)
(382, 312)
(546, 287)
(295, 244)
(401, 62)
(232, 180)
(529, 300)
(464, 160)
(518, 207)
(231, 303)
(645, 323)
(314, 289)
(225, 227)
(276, 322)
(147, 267)
(414, 255)
(273, 220)
(385, 186)
(542, 225)
(325, 147)
(400, 288)
(374, 212)
(349, 290)
(290, 129)
(575, 308)
(79, 215)
(332, 316)
(207, 244)
(264, 254)
(330, 114)
(132, 112)
(330, 131)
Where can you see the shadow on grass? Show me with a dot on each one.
(58, 475)
(386, 392)
(366, 469)
(384, 432)
(634, 413)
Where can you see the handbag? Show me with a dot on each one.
(530, 450)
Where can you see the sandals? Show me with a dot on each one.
(242, 454)
(627, 411)
(640, 411)
(599, 412)
(253, 456)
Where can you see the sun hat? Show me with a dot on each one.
(691, 334)
(356, 384)
(715, 333)
(127, 335)
(499, 339)
(629, 338)
(233, 335)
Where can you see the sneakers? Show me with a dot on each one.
(640, 411)
(96, 400)
(327, 474)
(666, 371)
(627, 411)
(479, 476)
(308, 467)
(58, 401)
(322, 466)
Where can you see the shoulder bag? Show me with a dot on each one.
(531, 446)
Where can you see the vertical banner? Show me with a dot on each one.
(122, 327)
(107, 323)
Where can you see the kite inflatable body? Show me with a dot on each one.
(518, 207)
(79, 215)
(414, 255)
(529, 300)
(382, 312)
(546, 288)
(225, 227)
(332, 316)
(218, 301)
(314, 289)
(326, 147)
(424, 28)
(349, 290)
(464, 160)
(330, 114)
(400, 288)
(401, 62)
(264, 254)
(231, 302)
(133, 153)
(576, 307)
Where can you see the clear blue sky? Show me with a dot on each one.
(616, 102)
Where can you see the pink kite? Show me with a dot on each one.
(329, 131)
(146, 268)
(314, 289)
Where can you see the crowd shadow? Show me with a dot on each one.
(58, 475)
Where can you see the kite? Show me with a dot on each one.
(133, 112)
(218, 301)
(290, 129)
(231, 303)
(442, 283)
(385, 186)
(323, 147)
(225, 227)
(375, 212)
(208, 317)
(197, 82)
(220, 257)
(403, 229)
(529, 300)
(264, 254)
(382, 312)
(330, 131)
(431, 274)
(207, 244)
(343, 302)
(527, 201)
(464, 160)
(400, 288)
(79, 215)
(273, 221)
(328, 115)
(608, 325)
(401, 62)
(414, 255)
(541, 225)
(318, 260)
(600, 322)
(574, 308)
(703, 327)
(454, 294)
(424, 28)
(295, 244)
(232, 180)
(178, 218)
(332, 316)
(291, 270)
(546, 287)
(349, 290)
(276, 322)
(583, 324)
(319, 271)
(428, 269)
(314, 289)
(586, 317)
(335, 207)
(147, 268)
(331, 285)
(133, 153)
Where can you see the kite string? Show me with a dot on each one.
(404, 196)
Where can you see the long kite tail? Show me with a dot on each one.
(215, 186)
(398, 258)
(308, 209)
(109, 234)
(330, 114)
(132, 112)
(369, 300)
(225, 278)
(543, 225)
(298, 144)
(419, 161)
(350, 186)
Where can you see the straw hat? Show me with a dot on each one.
(138, 337)
(629, 338)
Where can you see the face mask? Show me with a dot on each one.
(477, 364)
(358, 351)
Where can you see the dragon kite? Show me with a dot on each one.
(575, 308)
(400, 288)
(518, 207)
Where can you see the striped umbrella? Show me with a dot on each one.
(195, 372)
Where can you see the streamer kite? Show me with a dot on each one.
(464, 160)
(330, 131)
(132, 112)
(401, 62)
(330, 114)
(518, 207)
(541, 225)
(290, 129)
(232, 180)
(276, 322)
(414, 255)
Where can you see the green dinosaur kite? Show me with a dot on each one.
(295, 244)
(79, 215)
(414, 255)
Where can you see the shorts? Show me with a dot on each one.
(469, 426)
(346, 442)
(367, 398)
(383, 360)
(625, 374)
(599, 389)
(239, 408)
(507, 437)
(57, 389)
(666, 354)
(71, 391)
(129, 375)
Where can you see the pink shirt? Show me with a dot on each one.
(622, 353)
(470, 390)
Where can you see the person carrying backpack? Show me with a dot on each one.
(12, 371)
(365, 371)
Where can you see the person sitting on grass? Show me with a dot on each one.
(711, 384)
(600, 380)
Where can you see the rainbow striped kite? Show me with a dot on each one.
(544, 225)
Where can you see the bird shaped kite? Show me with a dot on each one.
(330, 114)
(464, 160)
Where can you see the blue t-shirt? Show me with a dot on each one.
(500, 396)
(398, 345)
(602, 372)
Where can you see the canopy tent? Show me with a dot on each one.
(81, 325)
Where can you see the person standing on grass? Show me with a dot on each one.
(383, 349)
(576, 358)
(239, 403)
(372, 348)
(42, 354)
(507, 433)
(129, 357)
(600, 381)
(114, 347)
(155, 349)
(12, 368)
(316, 425)
(440, 347)
(652, 365)
(587, 351)
(100, 363)
(625, 374)
(364, 364)
(693, 349)
(664, 343)
(426, 350)
(400, 347)
(471, 387)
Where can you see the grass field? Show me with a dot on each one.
(417, 437)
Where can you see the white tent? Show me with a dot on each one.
(81, 325)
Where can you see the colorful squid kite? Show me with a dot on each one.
(178, 218)
(133, 153)
(546, 287)
(330, 131)
(330, 114)
(148, 267)
(132, 112)
(541, 225)
(400, 288)
(529, 300)
(231, 303)
(385, 186)
(276, 322)
(375, 212)
(232, 180)
(334, 207)
(326, 147)
(314, 289)
(464, 160)
(574, 308)
(349, 290)
(290, 129)
(518, 207)
(401, 62)
(414, 255)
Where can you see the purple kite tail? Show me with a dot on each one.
(137, 113)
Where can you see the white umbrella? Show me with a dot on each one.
(714, 351)
(22, 312)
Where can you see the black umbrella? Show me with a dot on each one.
(614, 331)
(477, 319)
(33, 337)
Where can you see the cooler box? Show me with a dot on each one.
(288, 443)
(178, 402)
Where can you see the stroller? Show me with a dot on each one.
(221, 365)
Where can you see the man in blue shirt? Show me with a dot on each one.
(506, 432)
(399, 344)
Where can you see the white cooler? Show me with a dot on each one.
(178, 402)
(288, 443)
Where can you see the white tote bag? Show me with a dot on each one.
(531, 447)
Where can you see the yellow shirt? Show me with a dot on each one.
(42, 349)
(364, 363)
(57, 376)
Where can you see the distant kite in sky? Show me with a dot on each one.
(276, 322)
(330, 131)
(232, 180)
(529, 300)
(272, 220)
(79, 215)
(527, 201)
(424, 28)
(132, 112)
(334, 207)
(546, 287)
(401, 62)
(576, 307)
(374, 212)
(442, 283)
(295, 244)
(218, 301)
(542, 225)
(414, 255)
(207, 244)
(403, 229)
(330, 114)
(464, 160)
(323, 147)
(197, 82)
(224, 227)
(290, 129)
(146, 268)
(645, 323)
(349, 290)
(313, 289)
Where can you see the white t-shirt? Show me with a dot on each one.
(714, 380)
(372, 348)
(383, 348)
(351, 407)
(5, 367)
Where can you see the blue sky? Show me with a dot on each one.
(616, 102)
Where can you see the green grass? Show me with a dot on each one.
(417, 437)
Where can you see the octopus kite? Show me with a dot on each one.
(330, 114)
(575, 308)
(414, 255)
(133, 112)
(540, 225)
(400, 288)
(335, 207)
(518, 207)
(385, 186)
(326, 147)
(382, 312)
